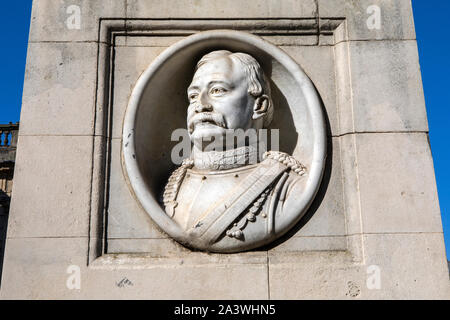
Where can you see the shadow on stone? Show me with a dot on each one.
(320, 194)
(283, 121)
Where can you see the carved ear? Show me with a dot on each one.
(261, 107)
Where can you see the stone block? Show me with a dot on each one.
(318, 63)
(326, 216)
(218, 9)
(126, 219)
(224, 280)
(52, 186)
(353, 214)
(36, 268)
(54, 20)
(156, 247)
(408, 266)
(59, 90)
(386, 86)
(312, 243)
(411, 266)
(130, 63)
(151, 41)
(396, 183)
(344, 95)
(396, 18)
(323, 275)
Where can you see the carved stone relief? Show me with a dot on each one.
(228, 194)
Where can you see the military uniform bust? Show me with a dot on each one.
(232, 196)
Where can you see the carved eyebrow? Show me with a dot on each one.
(211, 83)
(219, 82)
(193, 88)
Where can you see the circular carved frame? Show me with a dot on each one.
(158, 104)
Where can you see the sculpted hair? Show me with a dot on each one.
(257, 81)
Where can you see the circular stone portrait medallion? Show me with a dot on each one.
(224, 141)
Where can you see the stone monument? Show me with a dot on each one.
(127, 184)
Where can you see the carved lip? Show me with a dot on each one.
(207, 123)
(206, 119)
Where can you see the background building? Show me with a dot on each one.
(8, 143)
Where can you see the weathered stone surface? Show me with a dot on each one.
(130, 63)
(396, 18)
(386, 85)
(326, 216)
(160, 40)
(344, 94)
(184, 278)
(383, 90)
(157, 247)
(350, 184)
(50, 19)
(40, 273)
(323, 275)
(150, 41)
(218, 9)
(298, 244)
(36, 268)
(396, 183)
(126, 219)
(412, 266)
(404, 262)
(389, 183)
(319, 64)
(52, 187)
(59, 89)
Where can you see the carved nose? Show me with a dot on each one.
(203, 103)
(202, 107)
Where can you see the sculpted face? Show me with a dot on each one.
(219, 100)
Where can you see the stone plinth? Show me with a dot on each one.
(373, 231)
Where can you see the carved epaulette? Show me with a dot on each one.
(276, 192)
(289, 161)
(173, 186)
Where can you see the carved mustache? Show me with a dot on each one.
(210, 117)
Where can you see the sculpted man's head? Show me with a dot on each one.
(226, 196)
(229, 91)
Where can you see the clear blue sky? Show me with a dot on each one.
(431, 20)
(434, 48)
